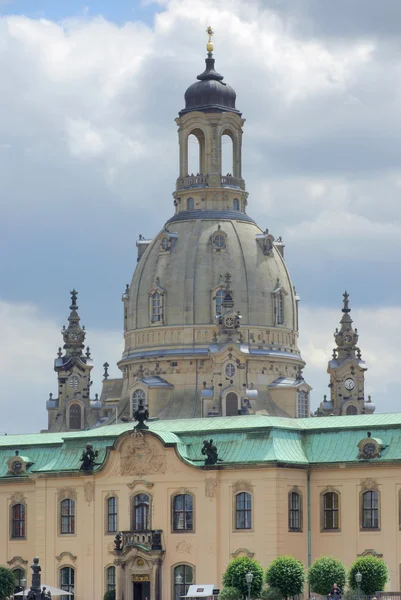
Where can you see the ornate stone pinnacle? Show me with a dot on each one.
(346, 308)
(74, 295)
(106, 372)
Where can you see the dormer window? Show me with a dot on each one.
(219, 241)
(165, 244)
(156, 304)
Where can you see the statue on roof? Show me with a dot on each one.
(89, 456)
(210, 451)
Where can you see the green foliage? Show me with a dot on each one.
(234, 577)
(230, 593)
(286, 574)
(374, 573)
(7, 583)
(110, 595)
(324, 572)
(271, 593)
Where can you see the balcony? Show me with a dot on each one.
(202, 181)
(151, 540)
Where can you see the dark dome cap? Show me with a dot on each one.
(210, 94)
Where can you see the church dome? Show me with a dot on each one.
(210, 93)
(189, 272)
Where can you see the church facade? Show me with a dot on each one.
(204, 449)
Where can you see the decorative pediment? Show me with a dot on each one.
(242, 552)
(67, 493)
(370, 552)
(242, 486)
(18, 498)
(72, 557)
(141, 454)
(369, 485)
(17, 561)
(280, 289)
(140, 482)
(329, 490)
(370, 447)
(156, 288)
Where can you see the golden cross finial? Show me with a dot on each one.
(209, 45)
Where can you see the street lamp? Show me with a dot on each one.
(358, 579)
(249, 579)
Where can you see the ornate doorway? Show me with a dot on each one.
(141, 590)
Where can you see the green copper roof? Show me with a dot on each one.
(252, 439)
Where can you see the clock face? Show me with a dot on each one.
(349, 384)
(348, 338)
(73, 382)
(17, 466)
(73, 336)
(369, 449)
(229, 322)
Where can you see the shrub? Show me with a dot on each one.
(7, 583)
(324, 572)
(287, 575)
(230, 593)
(374, 573)
(234, 577)
(271, 593)
(110, 595)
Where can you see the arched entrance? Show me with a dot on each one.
(231, 404)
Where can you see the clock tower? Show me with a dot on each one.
(73, 410)
(347, 372)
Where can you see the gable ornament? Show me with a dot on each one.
(242, 486)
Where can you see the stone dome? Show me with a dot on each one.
(210, 93)
(190, 271)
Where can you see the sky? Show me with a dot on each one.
(89, 156)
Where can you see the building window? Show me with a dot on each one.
(183, 512)
(331, 511)
(67, 524)
(236, 204)
(165, 243)
(370, 507)
(230, 370)
(136, 397)
(279, 308)
(141, 512)
(302, 404)
(243, 511)
(190, 204)
(219, 241)
(231, 404)
(67, 582)
(294, 511)
(157, 307)
(111, 515)
(110, 579)
(351, 410)
(219, 299)
(183, 577)
(18, 521)
(75, 416)
(19, 575)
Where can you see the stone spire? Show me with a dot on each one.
(74, 334)
(347, 337)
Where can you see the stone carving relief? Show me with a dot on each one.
(65, 493)
(143, 482)
(242, 552)
(210, 487)
(369, 484)
(142, 454)
(242, 486)
(67, 555)
(17, 560)
(370, 552)
(17, 498)
(89, 491)
(183, 547)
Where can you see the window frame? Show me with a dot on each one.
(363, 494)
(70, 584)
(73, 404)
(140, 506)
(111, 515)
(333, 510)
(18, 522)
(70, 516)
(144, 398)
(184, 510)
(298, 511)
(304, 401)
(218, 301)
(245, 510)
(184, 586)
(109, 586)
(236, 204)
(188, 203)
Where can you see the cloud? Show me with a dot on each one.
(28, 347)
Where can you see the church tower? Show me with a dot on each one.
(347, 372)
(73, 410)
(211, 314)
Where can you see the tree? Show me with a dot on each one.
(110, 595)
(234, 577)
(374, 573)
(271, 593)
(7, 583)
(230, 593)
(324, 572)
(286, 574)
